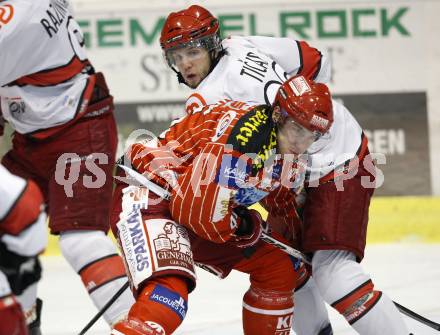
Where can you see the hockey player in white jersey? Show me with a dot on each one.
(65, 137)
(238, 68)
(248, 69)
(23, 236)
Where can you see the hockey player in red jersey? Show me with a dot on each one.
(214, 163)
(248, 69)
(65, 137)
(23, 236)
(208, 190)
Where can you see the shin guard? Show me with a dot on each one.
(93, 256)
(267, 312)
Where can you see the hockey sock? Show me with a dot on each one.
(133, 326)
(93, 256)
(311, 315)
(267, 312)
(12, 317)
(382, 318)
(343, 284)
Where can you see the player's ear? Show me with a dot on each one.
(276, 114)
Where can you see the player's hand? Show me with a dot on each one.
(250, 228)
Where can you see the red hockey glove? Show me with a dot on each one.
(249, 229)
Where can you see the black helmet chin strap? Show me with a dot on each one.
(180, 78)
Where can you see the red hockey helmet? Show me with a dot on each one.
(194, 26)
(307, 103)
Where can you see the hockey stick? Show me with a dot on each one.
(104, 309)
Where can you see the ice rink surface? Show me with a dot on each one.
(408, 273)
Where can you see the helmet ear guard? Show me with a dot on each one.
(307, 103)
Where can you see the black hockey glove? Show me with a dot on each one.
(21, 271)
(251, 226)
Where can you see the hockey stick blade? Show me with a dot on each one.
(417, 317)
(104, 309)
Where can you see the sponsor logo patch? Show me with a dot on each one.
(249, 196)
(6, 14)
(170, 299)
(319, 121)
(255, 135)
(251, 127)
(233, 172)
(221, 204)
(223, 124)
(173, 248)
(284, 323)
(134, 244)
(299, 86)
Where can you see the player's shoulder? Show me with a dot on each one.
(10, 15)
(237, 44)
(253, 131)
(224, 114)
(340, 111)
(14, 13)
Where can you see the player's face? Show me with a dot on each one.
(193, 63)
(294, 138)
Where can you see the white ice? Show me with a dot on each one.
(408, 273)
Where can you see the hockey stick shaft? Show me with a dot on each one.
(104, 309)
(284, 247)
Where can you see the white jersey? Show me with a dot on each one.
(11, 187)
(335, 151)
(23, 233)
(254, 67)
(43, 79)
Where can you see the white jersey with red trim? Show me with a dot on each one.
(43, 64)
(22, 217)
(254, 67)
(341, 146)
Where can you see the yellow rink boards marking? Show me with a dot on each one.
(392, 219)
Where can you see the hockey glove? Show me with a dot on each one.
(250, 228)
(21, 271)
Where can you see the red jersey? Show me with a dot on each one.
(220, 157)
